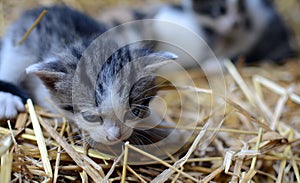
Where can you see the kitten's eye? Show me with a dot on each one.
(222, 10)
(92, 116)
(136, 112)
(140, 112)
(133, 114)
(217, 11)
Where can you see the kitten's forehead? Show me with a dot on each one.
(105, 80)
(215, 8)
(203, 4)
(125, 68)
(107, 83)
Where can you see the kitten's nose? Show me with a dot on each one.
(114, 133)
(235, 24)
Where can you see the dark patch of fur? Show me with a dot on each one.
(212, 8)
(115, 63)
(177, 7)
(58, 29)
(274, 43)
(13, 89)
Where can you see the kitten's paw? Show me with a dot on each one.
(10, 105)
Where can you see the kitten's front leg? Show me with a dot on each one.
(14, 60)
(10, 105)
(11, 100)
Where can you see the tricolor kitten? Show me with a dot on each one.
(232, 28)
(114, 92)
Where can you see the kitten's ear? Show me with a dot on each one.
(159, 59)
(49, 72)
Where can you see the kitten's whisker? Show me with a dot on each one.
(142, 138)
(145, 98)
(151, 88)
(141, 107)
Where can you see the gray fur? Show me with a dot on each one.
(101, 93)
(232, 28)
(58, 30)
(249, 28)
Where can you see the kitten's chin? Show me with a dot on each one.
(110, 143)
(112, 140)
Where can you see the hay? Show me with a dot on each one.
(250, 145)
(258, 138)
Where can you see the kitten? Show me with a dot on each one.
(249, 28)
(103, 94)
(233, 28)
(54, 32)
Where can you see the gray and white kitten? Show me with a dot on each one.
(46, 65)
(232, 28)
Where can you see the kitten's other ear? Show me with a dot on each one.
(49, 72)
(159, 59)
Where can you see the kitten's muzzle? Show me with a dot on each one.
(114, 133)
(117, 133)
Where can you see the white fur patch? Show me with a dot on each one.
(183, 32)
(10, 105)
(14, 60)
(32, 68)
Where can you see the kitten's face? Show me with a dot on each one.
(114, 115)
(231, 26)
(109, 109)
(221, 16)
(103, 126)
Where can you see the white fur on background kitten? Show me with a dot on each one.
(232, 28)
(185, 23)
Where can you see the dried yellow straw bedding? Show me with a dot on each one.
(259, 139)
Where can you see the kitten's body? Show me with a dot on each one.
(51, 56)
(54, 33)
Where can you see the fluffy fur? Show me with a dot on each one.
(103, 94)
(232, 28)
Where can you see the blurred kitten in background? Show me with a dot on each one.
(249, 28)
(252, 29)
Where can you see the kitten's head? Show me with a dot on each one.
(106, 99)
(221, 16)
